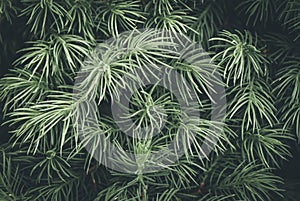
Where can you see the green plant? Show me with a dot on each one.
(74, 137)
(240, 56)
(258, 11)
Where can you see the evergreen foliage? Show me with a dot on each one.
(254, 44)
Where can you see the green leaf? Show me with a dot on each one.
(254, 104)
(44, 14)
(239, 56)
